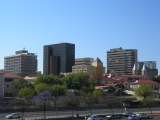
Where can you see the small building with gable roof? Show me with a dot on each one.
(5, 80)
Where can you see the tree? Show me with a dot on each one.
(71, 101)
(88, 99)
(43, 100)
(144, 91)
(156, 78)
(26, 93)
(21, 83)
(149, 102)
(97, 94)
(76, 80)
(57, 90)
(97, 78)
(41, 87)
(48, 79)
(22, 105)
(110, 100)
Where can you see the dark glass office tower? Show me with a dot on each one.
(58, 58)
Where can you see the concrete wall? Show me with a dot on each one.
(2, 84)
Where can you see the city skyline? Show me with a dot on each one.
(93, 26)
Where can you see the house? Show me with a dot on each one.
(154, 85)
(121, 83)
(133, 78)
(101, 87)
(5, 80)
(106, 80)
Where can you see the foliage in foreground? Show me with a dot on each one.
(143, 91)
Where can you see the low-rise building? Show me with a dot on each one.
(95, 68)
(5, 80)
(84, 68)
(84, 61)
(132, 78)
(154, 85)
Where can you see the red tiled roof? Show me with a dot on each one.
(9, 75)
(119, 78)
(155, 91)
(144, 82)
(133, 75)
(119, 81)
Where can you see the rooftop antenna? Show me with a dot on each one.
(62, 41)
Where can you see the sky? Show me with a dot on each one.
(94, 26)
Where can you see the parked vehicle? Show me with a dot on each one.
(134, 117)
(126, 114)
(93, 117)
(13, 116)
(143, 115)
(113, 116)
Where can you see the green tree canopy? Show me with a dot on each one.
(156, 79)
(76, 81)
(48, 79)
(21, 83)
(150, 102)
(144, 91)
(58, 90)
(26, 92)
(39, 88)
(97, 93)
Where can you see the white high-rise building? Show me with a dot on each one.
(22, 63)
(121, 60)
(84, 61)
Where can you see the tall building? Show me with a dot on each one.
(96, 67)
(84, 61)
(99, 66)
(58, 58)
(22, 63)
(121, 60)
(84, 68)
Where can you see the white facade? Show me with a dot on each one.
(84, 61)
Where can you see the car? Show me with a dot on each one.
(13, 116)
(113, 116)
(134, 117)
(126, 114)
(94, 117)
(143, 115)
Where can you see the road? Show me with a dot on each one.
(54, 114)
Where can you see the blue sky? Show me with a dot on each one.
(94, 26)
